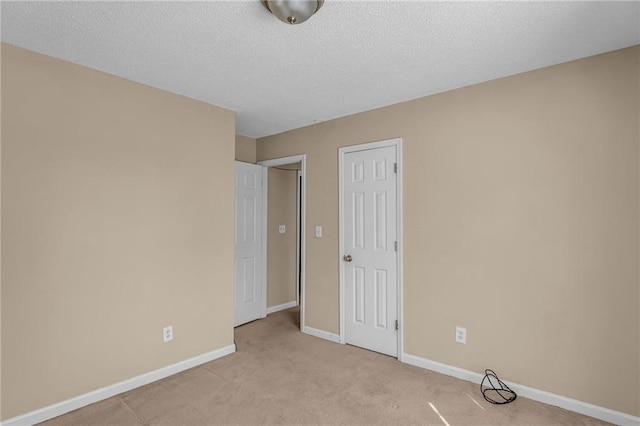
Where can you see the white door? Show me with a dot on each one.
(370, 258)
(249, 298)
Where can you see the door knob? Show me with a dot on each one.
(347, 258)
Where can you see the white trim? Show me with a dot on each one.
(321, 334)
(80, 401)
(397, 144)
(341, 250)
(282, 307)
(265, 228)
(282, 161)
(570, 404)
(302, 158)
(400, 254)
(303, 239)
(298, 209)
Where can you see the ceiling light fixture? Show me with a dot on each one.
(293, 11)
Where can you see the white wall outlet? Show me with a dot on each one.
(318, 231)
(461, 335)
(282, 229)
(167, 334)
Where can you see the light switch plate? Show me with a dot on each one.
(167, 334)
(318, 231)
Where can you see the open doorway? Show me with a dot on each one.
(284, 233)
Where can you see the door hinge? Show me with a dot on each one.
(395, 246)
(396, 324)
(395, 167)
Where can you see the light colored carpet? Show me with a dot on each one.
(281, 376)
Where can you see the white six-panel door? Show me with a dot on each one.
(249, 297)
(370, 260)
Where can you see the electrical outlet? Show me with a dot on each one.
(461, 335)
(167, 334)
(282, 229)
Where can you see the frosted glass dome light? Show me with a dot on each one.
(293, 11)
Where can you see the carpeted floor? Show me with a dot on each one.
(281, 376)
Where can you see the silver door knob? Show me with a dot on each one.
(347, 258)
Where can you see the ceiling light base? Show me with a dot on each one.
(293, 11)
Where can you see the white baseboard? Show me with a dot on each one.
(282, 307)
(601, 413)
(321, 334)
(80, 401)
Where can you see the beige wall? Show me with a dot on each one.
(281, 248)
(520, 223)
(245, 149)
(117, 220)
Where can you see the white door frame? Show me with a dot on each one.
(303, 205)
(298, 236)
(397, 143)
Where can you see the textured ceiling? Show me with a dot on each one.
(352, 56)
